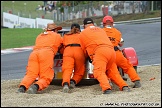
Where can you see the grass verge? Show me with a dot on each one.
(14, 38)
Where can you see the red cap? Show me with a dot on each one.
(107, 18)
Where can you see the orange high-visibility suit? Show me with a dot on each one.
(102, 54)
(73, 59)
(115, 37)
(41, 60)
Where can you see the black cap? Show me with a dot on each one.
(88, 21)
(75, 25)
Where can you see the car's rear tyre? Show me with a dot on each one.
(82, 82)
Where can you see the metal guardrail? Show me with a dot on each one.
(148, 20)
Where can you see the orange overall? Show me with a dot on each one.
(41, 60)
(102, 54)
(115, 36)
(73, 59)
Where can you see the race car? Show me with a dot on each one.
(88, 78)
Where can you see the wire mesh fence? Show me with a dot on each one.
(100, 8)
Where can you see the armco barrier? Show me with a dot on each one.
(148, 20)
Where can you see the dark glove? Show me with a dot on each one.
(116, 48)
(89, 59)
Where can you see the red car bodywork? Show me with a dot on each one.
(131, 55)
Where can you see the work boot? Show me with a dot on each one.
(108, 91)
(126, 89)
(21, 90)
(137, 84)
(66, 88)
(33, 89)
(72, 85)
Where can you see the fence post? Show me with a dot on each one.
(45, 3)
(58, 13)
(152, 5)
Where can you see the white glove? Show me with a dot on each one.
(121, 42)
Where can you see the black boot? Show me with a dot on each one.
(33, 89)
(22, 89)
(137, 84)
(108, 91)
(126, 89)
(72, 84)
(65, 87)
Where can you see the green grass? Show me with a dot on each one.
(24, 11)
(14, 38)
(19, 5)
